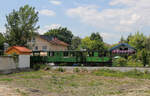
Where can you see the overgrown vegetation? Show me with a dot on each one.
(132, 74)
(102, 82)
(142, 56)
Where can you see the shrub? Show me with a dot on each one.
(119, 62)
(60, 69)
(134, 63)
(41, 66)
(84, 69)
(76, 70)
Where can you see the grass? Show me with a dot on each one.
(6, 79)
(131, 74)
(59, 82)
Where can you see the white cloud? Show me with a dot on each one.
(127, 16)
(55, 2)
(124, 2)
(47, 12)
(48, 27)
(109, 36)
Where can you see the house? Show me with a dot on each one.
(18, 50)
(47, 43)
(123, 48)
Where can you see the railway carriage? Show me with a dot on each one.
(88, 58)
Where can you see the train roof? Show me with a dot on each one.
(69, 51)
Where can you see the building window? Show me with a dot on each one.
(36, 47)
(33, 39)
(44, 47)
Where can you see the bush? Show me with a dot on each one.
(134, 63)
(40, 66)
(84, 69)
(119, 62)
(76, 70)
(60, 69)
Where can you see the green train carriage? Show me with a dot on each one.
(87, 58)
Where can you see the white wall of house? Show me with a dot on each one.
(24, 61)
(7, 63)
(41, 44)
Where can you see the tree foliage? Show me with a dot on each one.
(96, 36)
(75, 43)
(94, 42)
(62, 34)
(2, 40)
(21, 25)
(137, 41)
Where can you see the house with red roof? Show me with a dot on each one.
(18, 50)
(47, 43)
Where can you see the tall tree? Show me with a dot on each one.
(96, 36)
(137, 41)
(2, 40)
(62, 34)
(21, 25)
(76, 41)
(94, 42)
(122, 40)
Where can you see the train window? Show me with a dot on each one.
(101, 54)
(57, 53)
(91, 54)
(105, 53)
(72, 53)
(66, 54)
(51, 54)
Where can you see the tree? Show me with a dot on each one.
(21, 25)
(62, 34)
(96, 36)
(2, 40)
(147, 43)
(89, 44)
(76, 41)
(122, 40)
(137, 41)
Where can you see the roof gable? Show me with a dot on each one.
(122, 44)
(53, 40)
(20, 49)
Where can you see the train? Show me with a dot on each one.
(72, 58)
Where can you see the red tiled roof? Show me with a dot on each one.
(53, 40)
(21, 49)
(56, 41)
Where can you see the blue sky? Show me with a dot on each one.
(111, 18)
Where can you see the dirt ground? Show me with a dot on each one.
(52, 83)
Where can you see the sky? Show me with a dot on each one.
(111, 18)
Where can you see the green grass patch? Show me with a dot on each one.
(132, 74)
(6, 79)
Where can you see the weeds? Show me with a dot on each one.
(76, 70)
(6, 79)
(132, 74)
(60, 69)
(22, 93)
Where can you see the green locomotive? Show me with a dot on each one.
(88, 58)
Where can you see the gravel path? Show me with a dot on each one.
(123, 69)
